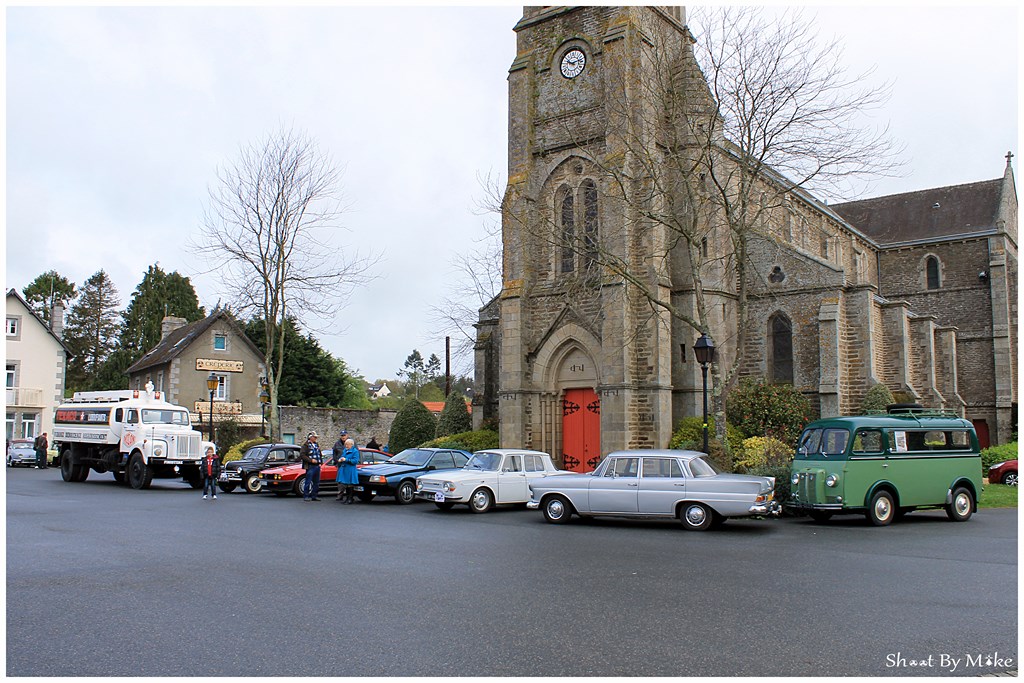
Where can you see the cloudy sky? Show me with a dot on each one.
(118, 118)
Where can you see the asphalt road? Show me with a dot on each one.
(106, 581)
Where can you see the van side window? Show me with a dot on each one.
(868, 441)
(960, 440)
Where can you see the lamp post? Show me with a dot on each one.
(704, 349)
(211, 383)
(264, 399)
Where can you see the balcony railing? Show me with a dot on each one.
(24, 397)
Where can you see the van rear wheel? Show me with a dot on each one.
(962, 507)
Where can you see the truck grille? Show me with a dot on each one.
(808, 488)
(189, 447)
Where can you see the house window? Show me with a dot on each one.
(10, 426)
(160, 381)
(12, 376)
(780, 349)
(28, 426)
(824, 246)
(221, 393)
(932, 272)
(220, 342)
(568, 228)
(12, 327)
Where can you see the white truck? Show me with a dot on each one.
(135, 434)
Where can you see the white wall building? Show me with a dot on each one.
(36, 361)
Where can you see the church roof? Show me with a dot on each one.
(926, 214)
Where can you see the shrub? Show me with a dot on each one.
(783, 484)
(454, 417)
(689, 435)
(876, 400)
(228, 434)
(993, 454)
(467, 441)
(761, 409)
(238, 450)
(413, 425)
(760, 452)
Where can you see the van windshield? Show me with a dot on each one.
(817, 442)
(166, 417)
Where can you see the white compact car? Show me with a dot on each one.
(492, 477)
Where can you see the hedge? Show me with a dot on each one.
(413, 425)
(454, 418)
(467, 441)
(238, 450)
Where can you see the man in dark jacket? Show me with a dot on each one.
(311, 461)
(339, 448)
(209, 470)
(41, 446)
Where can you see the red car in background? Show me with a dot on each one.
(290, 478)
(1003, 473)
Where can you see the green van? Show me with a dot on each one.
(885, 466)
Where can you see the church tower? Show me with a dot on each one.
(586, 366)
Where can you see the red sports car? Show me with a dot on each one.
(291, 478)
(1003, 473)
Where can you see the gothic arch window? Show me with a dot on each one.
(566, 209)
(590, 223)
(933, 275)
(780, 349)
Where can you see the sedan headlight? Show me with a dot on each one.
(796, 479)
(378, 479)
(998, 464)
(831, 480)
(448, 486)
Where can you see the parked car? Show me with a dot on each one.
(246, 472)
(291, 478)
(21, 454)
(397, 477)
(652, 484)
(493, 477)
(1003, 473)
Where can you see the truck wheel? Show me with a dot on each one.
(882, 509)
(119, 477)
(253, 484)
(83, 473)
(195, 481)
(962, 507)
(140, 475)
(67, 472)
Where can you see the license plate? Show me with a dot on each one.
(439, 497)
(358, 488)
(172, 462)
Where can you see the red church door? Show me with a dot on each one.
(581, 430)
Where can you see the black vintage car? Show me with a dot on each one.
(246, 472)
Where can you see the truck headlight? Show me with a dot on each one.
(159, 448)
(796, 479)
(831, 480)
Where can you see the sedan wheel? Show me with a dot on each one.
(447, 505)
(226, 488)
(696, 516)
(406, 493)
(253, 484)
(557, 510)
(365, 496)
(1010, 479)
(299, 484)
(481, 501)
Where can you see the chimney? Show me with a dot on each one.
(170, 324)
(57, 319)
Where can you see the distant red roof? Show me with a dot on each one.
(437, 406)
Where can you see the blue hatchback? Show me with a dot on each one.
(397, 477)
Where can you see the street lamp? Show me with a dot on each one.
(211, 383)
(264, 399)
(704, 349)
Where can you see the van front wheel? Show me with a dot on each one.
(882, 509)
(962, 507)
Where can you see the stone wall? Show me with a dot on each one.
(328, 422)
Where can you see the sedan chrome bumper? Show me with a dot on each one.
(533, 505)
(772, 507)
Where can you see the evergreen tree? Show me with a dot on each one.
(414, 371)
(454, 417)
(413, 425)
(91, 332)
(159, 294)
(47, 289)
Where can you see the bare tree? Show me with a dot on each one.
(266, 231)
(703, 151)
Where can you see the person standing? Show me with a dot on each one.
(372, 443)
(347, 473)
(210, 470)
(41, 447)
(336, 454)
(311, 461)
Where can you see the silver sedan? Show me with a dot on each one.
(652, 484)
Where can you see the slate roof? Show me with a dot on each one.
(926, 214)
(175, 343)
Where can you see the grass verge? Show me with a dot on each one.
(998, 496)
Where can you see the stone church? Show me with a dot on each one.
(917, 291)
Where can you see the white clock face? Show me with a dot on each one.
(573, 62)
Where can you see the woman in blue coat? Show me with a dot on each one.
(347, 477)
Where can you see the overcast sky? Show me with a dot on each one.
(118, 117)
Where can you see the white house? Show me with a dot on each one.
(379, 390)
(36, 360)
